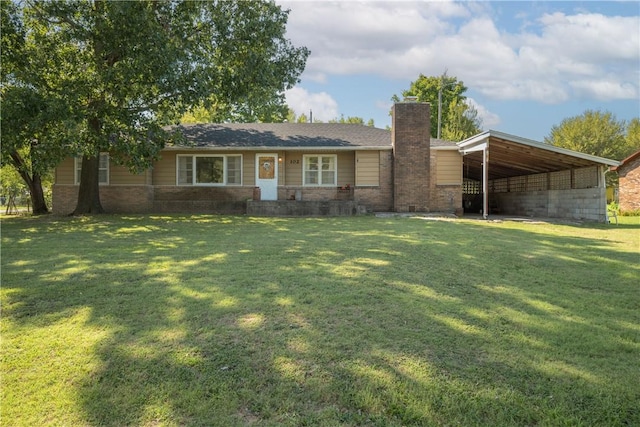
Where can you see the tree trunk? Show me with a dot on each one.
(34, 182)
(89, 191)
(39, 205)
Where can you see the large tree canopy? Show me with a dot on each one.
(126, 69)
(598, 133)
(459, 120)
(34, 118)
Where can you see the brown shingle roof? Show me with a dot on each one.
(627, 160)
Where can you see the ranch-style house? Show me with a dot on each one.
(346, 169)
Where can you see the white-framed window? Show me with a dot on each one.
(219, 169)
(103, 169)
(320, 170)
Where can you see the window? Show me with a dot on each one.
(103, 169)
(209, 170)
(320, 170)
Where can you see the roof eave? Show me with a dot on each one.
(277, 148)
(535, 144)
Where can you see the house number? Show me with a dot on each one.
(294, 162)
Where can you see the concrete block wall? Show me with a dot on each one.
(581, 204)
(585, 204)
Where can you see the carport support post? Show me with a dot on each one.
(485, 182)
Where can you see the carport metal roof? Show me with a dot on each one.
(510, 155)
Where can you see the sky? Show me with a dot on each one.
(527, 65)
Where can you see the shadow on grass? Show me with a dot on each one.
(239, 321)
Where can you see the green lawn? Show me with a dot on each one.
(233, 321)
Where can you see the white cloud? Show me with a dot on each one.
(323, 106)
(489, 120)
(554, 57)
(604, 89)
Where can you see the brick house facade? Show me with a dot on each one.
(629, 183)
(344, 169)
(376, 169)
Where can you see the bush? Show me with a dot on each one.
(635, 212)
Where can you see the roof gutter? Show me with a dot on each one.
(276, 148)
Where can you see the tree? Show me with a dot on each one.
(302, 118)
(463, 122)
(633, 136)
(352, 120)
(127, 69)
(459, 120)
(33, 119)
(597, 133)
(32, 138)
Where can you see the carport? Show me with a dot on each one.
(508, 175)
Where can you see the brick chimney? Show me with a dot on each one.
(411, 140)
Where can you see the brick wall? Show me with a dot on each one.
(169, 198)
(307, 193)
(629, 185)
(127, 198)
(114, 198)
(446, 198)
(374, 198)
(65, 198)
(379, 198)
(443, 198)
(411, 151)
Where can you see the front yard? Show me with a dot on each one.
(233, 321)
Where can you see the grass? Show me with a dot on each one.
(234, 321)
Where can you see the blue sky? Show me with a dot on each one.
(527, 65)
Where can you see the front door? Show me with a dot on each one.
(267, 176)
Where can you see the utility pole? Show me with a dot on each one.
(442, 86)
(439, 110)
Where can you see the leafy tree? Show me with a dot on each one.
(13, 184)
(302, 118)
(633, 136)
(32, 139)
(463, 122)
(263, 108)
(458, 119)
(127, 69)
(353, 120)
(33, 119)
(597, 133)
(199, 114)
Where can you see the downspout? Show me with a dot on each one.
(485, 182)
(602, 186)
